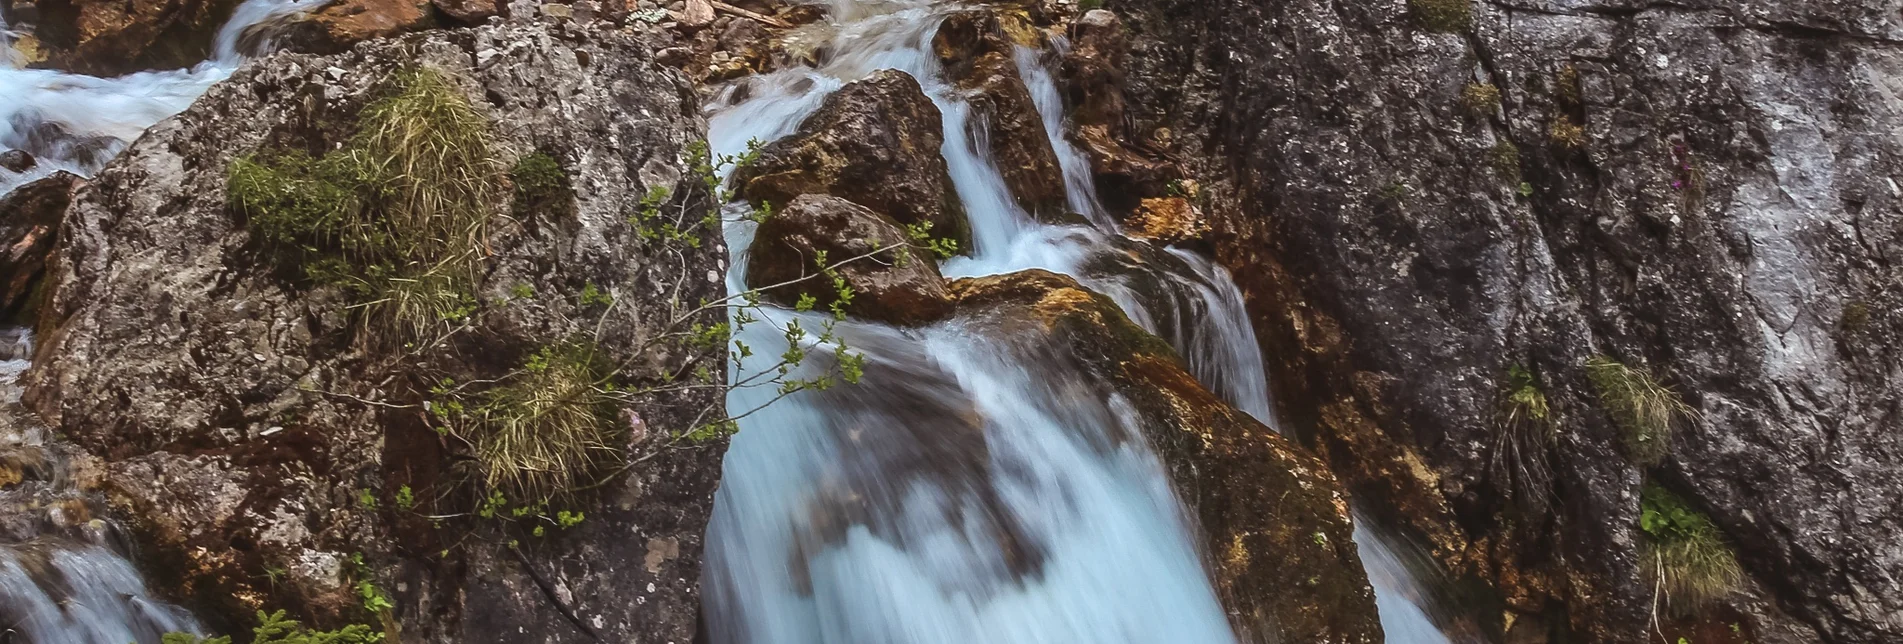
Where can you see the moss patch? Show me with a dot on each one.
(1445, 16)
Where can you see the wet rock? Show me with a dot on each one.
(338, 25)
(112, 37)
(1169, 220)
(1642, 192)
(29, 228)
(874, 142)
(244, 414)
(1126, 170)
(17, 161)
(891, 280)
(1275, 522)
(978, 49)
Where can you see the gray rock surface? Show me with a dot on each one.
(1728, 217)
(238, 419)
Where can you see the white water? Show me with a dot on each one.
(76, 123)
(972, 489)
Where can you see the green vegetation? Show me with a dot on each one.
(399, 215)
(1445, 16)
(548, 425)
(1505, 158)
(921, 236)
(1567, 134)
(275, 628)
(1686, 555)
(1523, 440)
(1566, 84)
(1088, 5)
(1855, 317)
(537, 178)
(1480, 99)
(1644, 409)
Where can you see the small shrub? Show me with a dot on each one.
(537, 178)
(275, 628)
(1686, 556)
(1505, 159)
(547, 425)
(1567, 134)
(1523, 440)
(1480, 99)
(1644, 409)
(1445, 16)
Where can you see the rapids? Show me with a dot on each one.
(914, 502)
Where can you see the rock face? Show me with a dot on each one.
(875, 143)
(338, 25)
(258, 441)
(900, 285)
(1647, 185)
(1275, 523)
(29, 227)
(111, 37)
(978, 48)
(1124, 171)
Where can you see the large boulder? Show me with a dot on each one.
(111, 37)
(257, 433)
(875, 142)
(891, 279)
(338, 25)
(1275, 524)
(978, 48)
(29, 226)
(1412, 230)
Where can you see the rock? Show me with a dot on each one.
(978, 48)
(1124, 172)
(1275, 522)
(112, 37)
(1169, 220)
(468, 11)
(244, 412)
(1401, 257)
(17, 161)
(699, 13)
(29, 228)
(875, 143)
(341, 24)
(900, 286)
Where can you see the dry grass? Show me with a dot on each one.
(548, 425)
(1480, 99)
(1645, 410)
(1685, 555)
(1567, 134)
(1523, 441)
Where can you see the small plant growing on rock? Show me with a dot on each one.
(1686, 556)
(1523, 439)
(1445, 16)
(921, 236)
(1505, 159)
(548, 425)
(1566, 134)
(537, 178)
(275, 628)
(1480, 99)
(1645, 410)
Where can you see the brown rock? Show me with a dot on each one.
(1168, 220)
(29, 226)
(1124, 173)
(468, 11)
(111, 37)
(341, 24)
(17, 161)
(1275, 522)
(900, 286)
(699, 13)
(978, 48)
(875, 143)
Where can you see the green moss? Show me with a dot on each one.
(537, 178)
(1505, 159)
(1687, 557)
(1446, 16)
(548, 425)
(1855, 317)
(1645, 410)
(275, 628)
(399, 214)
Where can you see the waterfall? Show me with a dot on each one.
(964, 461)
(77, 123)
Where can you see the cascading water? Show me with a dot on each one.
(952, 496)
(77, 123)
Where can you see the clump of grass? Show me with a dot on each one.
(1523, 439)
(1567, 134)
(537, 178)
(1505, 158)
(1686, 556)
(399, 214)
(1645, 410)
(1445, 16)
(1480, 99)
(1567, 82)
(548, 424)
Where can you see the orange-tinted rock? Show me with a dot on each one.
(112, 37)
(1274, 521)
(1093, 73)
(900, 285)
(341, 24)
(875, 143)
(978, 49)
(1168, 220)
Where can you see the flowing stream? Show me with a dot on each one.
(963, 491)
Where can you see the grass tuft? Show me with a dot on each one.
(1505, 158)
(1523, 440)
(1567, 134)
(548, 425)
(1480, 99)
(1686, 556)
(1645, 410)
(537, 178)
(399, 214)
(1445, 16)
